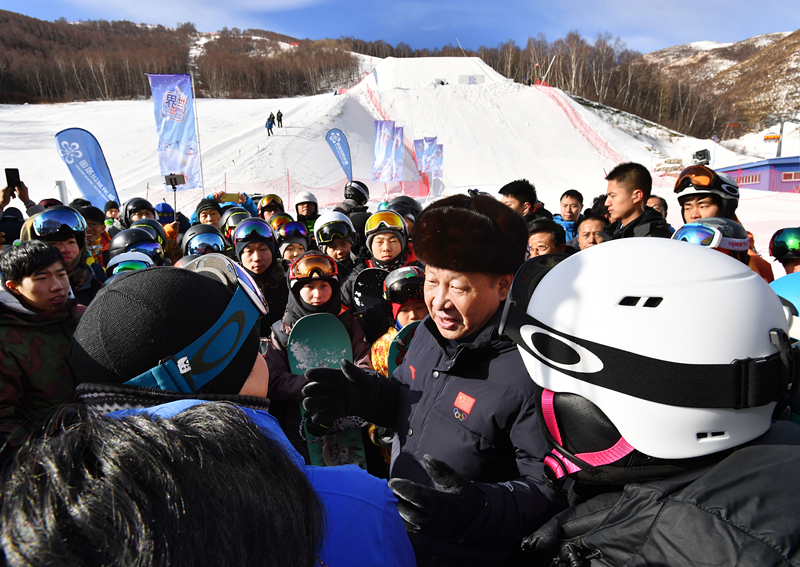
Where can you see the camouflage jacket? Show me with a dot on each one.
(35, 374)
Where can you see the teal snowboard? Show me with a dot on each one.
(321, 341)
(400, 344)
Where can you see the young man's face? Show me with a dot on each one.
(306, 209)
(385, 247)
(210, 216)
(411, 311)
(112, 213)
(257, 257)
(461, 303)
(70, 249)
(316, 292)
(520, 208)
(143, 214)
(293, 251)
(46, 289)
(270, 210)
(791, 265)
(699, 207)
(570, 208)
(93, 230)
(623, 205)
(541, 243)
(655, 203)
(339, 249)
(590, 233)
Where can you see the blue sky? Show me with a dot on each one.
(644, 25)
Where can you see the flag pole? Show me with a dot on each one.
(197, 132)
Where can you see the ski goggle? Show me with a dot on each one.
(314, 264)
(204, 359)
(206, 243)
(702, 177)
(276, 221)
(785, 242)
(254, 229)
(402, 292)
(710, 237)
(336, 229)
(386, 219)
(151, 231)
(233, 221)
(270, 201)
(293, 228)
(383, 206)
(51, 221)
(151, 249)
(129, 266)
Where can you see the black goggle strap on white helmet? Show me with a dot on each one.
(752, 382)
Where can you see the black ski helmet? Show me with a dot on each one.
(132, 206)
(404, 284)
(357, 191)
(406, 206)
(155, 228)
(211, 237)
(231, 216)
(136, 240)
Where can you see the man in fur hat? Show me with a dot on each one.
(467, 455)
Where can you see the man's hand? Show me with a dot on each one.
(22, 193)
(444, 512)
(5, 197)
(242, 198)
(217, 195)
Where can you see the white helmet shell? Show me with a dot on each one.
(667, 301)
(329, 217)
(129, 256)
(305, 197)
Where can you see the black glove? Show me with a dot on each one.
(332, 393)
(447, 512)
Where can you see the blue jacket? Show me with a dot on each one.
(363, 525)
(248, 204)
(570, 227)
(475, 412)
(270, 124)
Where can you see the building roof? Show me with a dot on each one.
(792, 160)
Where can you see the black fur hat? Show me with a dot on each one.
(471, 234)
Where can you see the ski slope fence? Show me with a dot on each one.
(580, 124)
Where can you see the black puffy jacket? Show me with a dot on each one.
(743, 511)
(649, 223)
(475, 412)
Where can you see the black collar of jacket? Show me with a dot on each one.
(488, 338)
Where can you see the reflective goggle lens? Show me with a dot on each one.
(785, 241)
(388, 219)
(383, 206)
(697, 234)
(206, 244)
(246, 230)
(233, 221)
(336, 229)
(277, 220)
(307, 266)
(128, 266)
(152, 249)
(695, 175)
(268, 200)
(401, 294)
(51, 221)
(293, 228)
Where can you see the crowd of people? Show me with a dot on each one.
(554, 406)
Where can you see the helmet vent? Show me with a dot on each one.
(709, 435)
(631, 301)
(653, 301)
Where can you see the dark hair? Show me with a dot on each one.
(591, 216)
(598, 208)
(632, 176)
(555, 230)
(572, 194)
(663, 203)
(204, 487)
(522, 190)
(18, 262)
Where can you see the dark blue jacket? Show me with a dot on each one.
(363, 525)
(475, 412)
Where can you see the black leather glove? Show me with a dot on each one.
(332, 393)
(446, 512)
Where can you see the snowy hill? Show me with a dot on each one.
(493, 132)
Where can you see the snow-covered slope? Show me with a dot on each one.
(492, 133)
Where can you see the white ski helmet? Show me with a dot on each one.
(700, 180)
(612, 325)
(305, 197)
(333, 224)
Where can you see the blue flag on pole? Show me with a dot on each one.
(178, 151)
(341, 149)
(436, 168)
(428, 153)
(87, 164)
(419, 148)
(384, 156)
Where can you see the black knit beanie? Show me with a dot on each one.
(137, 321)
(110, 205)
(205, 204)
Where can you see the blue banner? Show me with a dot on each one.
(436, 168)
(341, 149)
(87, 164)
(419, 148)
(384, 158)
(178, 150)
(428, 153)
(397, 154)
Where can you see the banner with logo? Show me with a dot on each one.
(436, 168)
(384, 156)
(428, 153)
(341, 149)
(419, 148)
(178, 150)
(87, 164)
(398, 154)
